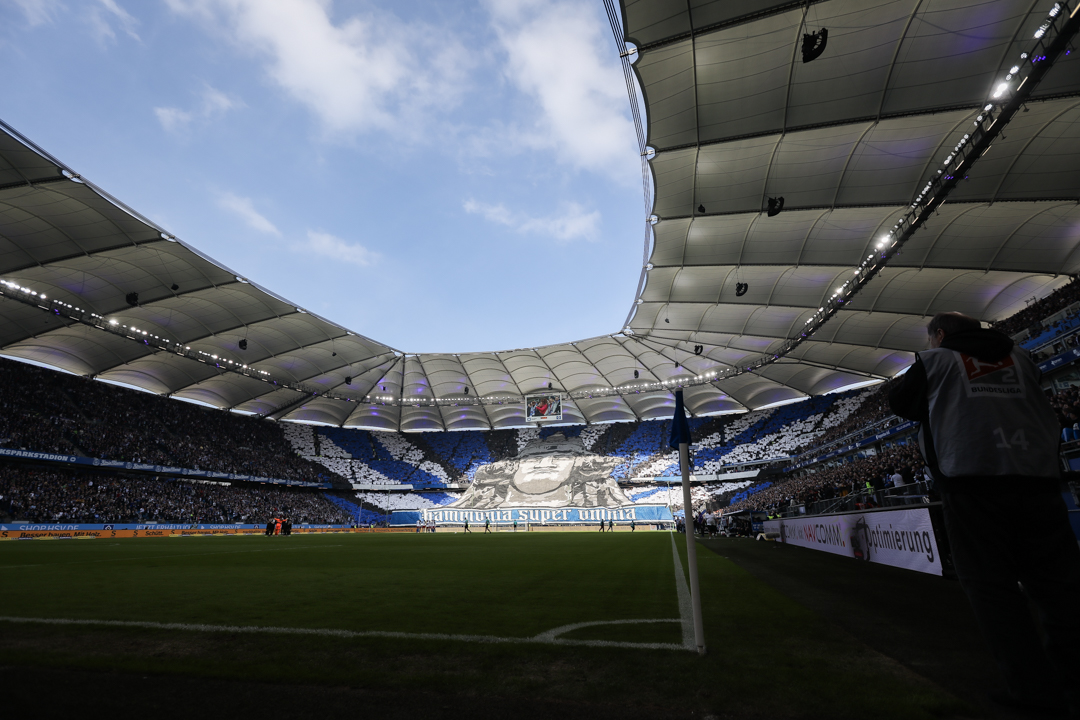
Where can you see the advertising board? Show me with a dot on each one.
(901, 538)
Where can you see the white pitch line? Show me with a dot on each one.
(329, 632)
(686, 610)
(550, 635)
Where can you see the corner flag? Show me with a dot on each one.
(680, 440)
(680, 428)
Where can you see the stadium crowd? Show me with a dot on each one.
(94, 497)
(873, 409)
(1031, 318)
(50, 411)
(1066, 404)
(839, 480)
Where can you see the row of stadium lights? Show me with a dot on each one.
(888, 245)
(116, 323)
(635, 388)
(135, 333)
(72, 312)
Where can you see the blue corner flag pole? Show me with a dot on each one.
(680, 440)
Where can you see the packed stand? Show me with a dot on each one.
(389, 501)
(869, 413)
(1031, 318)
(62, 496)
(837, 481)
(705, 494)
(361, 516)
(463, 452)
(50, 411)
(1066, 404)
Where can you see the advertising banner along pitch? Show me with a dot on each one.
(901, 538)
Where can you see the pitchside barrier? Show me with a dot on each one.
(902, 538)
(62, 531)
(534, 516)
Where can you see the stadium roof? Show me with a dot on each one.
(734, 116)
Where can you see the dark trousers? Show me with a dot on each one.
(998, 540)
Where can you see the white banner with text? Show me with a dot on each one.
(901, 538)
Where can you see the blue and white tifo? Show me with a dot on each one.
(536, 516)
(552, 480)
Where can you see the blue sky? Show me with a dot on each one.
(439, 176)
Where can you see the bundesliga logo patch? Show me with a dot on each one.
(989, 379)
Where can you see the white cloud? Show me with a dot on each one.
(334, 248)
(369, 71)
(571, 223)
(38, 12)
(244, 208)
(561, 55)
(213, 103)
(172, 119)
(108, 12)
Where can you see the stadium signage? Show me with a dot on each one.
(31, 455)
(1065, 358)
(143, 467)
(504, 516)
(901, 538)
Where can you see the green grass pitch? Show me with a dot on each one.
(767, 655)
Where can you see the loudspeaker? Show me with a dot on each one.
(813, 44)
(132, 299)
(243, 343)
